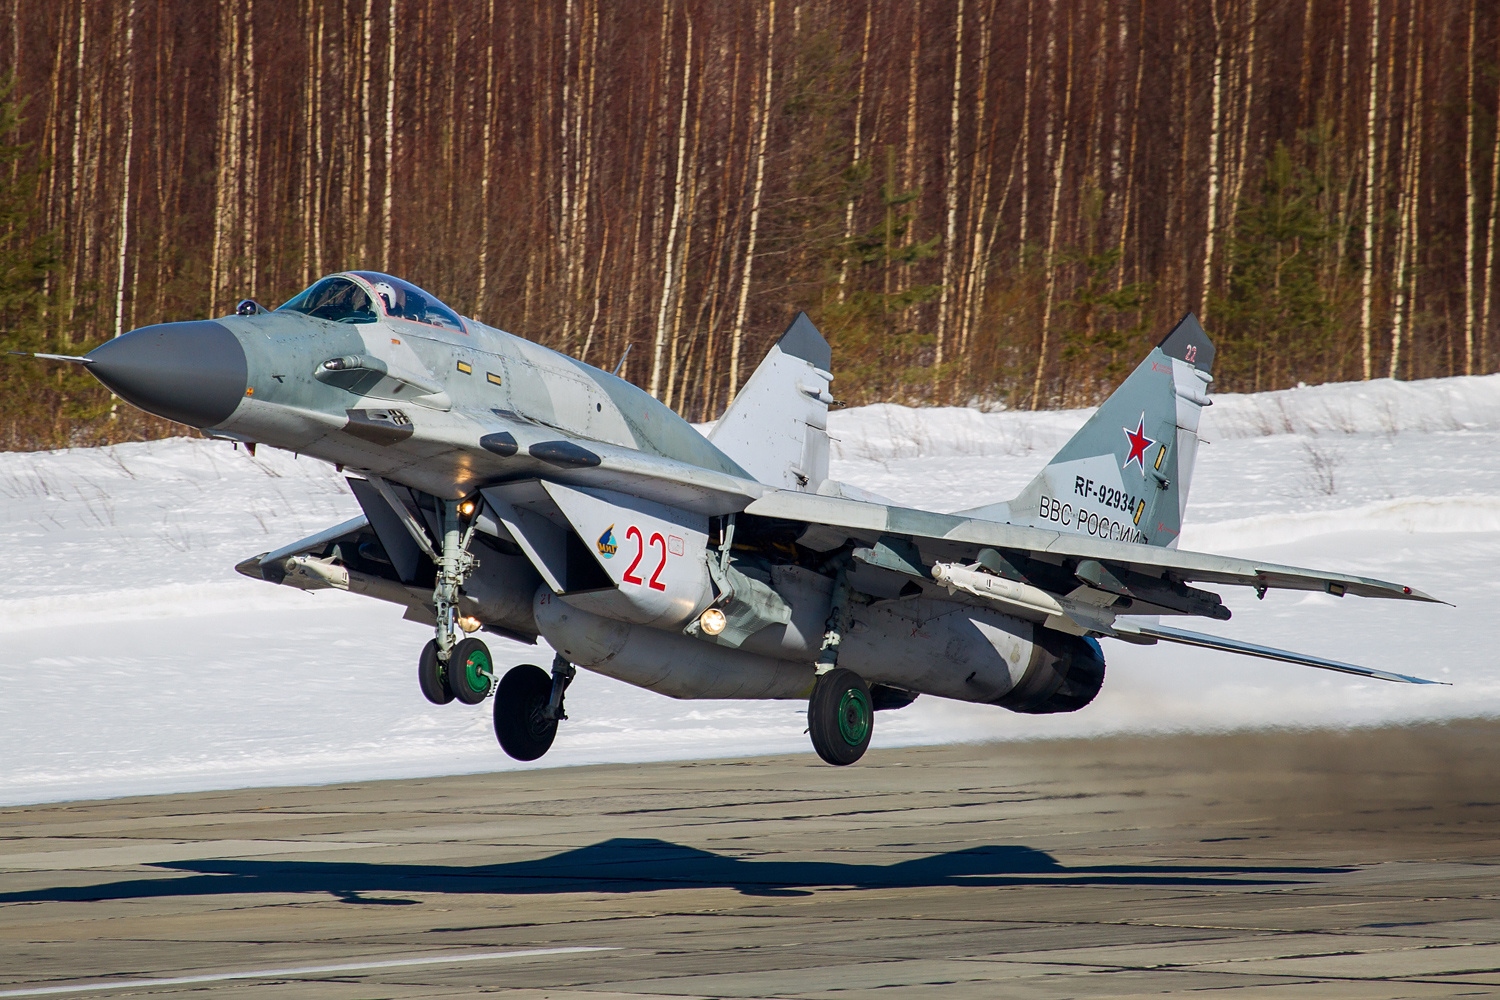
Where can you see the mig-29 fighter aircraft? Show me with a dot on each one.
(509, 489)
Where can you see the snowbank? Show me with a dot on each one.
(135, 660)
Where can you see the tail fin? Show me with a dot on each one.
(777, 426)
(1125, 474)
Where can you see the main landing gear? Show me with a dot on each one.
(528, 707)
(840, 713)
(840, 716)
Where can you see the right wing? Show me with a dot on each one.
(956, 537)
(1070, 583)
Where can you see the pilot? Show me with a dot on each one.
(391, 296)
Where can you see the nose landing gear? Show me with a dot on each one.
(450, 668)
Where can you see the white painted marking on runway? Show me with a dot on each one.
(296, 971)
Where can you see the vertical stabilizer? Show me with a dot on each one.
(777, 427)
(1124, 476)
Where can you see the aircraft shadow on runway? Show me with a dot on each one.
(649, 865)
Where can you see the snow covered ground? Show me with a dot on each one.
(133, 659)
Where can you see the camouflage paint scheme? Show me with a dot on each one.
(566, 472)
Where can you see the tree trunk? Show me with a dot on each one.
(950, 232)
(386, 201)
(980, 171)
(1469, 195)
(669, 270)
(1050, 261)
(1489, 253)
(1026, 135)
(859, 114)
(1135, 118)
(75, 198)
(1242, 151)
(1367, 292)
(1211, 227)
(1411, 158)
(128, 100)
(737, 338)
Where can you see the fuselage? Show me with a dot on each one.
(405, 399)
(603, 516)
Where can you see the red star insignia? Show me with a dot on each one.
(1139, 442)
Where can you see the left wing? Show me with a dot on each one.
(1186, 638)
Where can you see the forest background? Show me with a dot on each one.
(988, 202)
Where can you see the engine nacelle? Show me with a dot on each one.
(1064, 675)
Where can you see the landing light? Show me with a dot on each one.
(469, 624)
(712, 621)
(466, 508)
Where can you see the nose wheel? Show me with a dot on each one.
(432, 677)
(840, 716)
(467, 676)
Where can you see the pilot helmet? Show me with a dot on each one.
(387, 292)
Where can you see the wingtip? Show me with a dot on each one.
(1413, 594)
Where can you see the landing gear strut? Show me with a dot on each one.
(454, 566)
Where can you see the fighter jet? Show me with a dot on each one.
(512, 490)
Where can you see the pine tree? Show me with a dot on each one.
(39, 403)
(1276, 314)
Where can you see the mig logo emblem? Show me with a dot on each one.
(607, 544)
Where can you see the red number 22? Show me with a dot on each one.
(634, 534)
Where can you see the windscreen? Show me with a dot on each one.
(336, 299)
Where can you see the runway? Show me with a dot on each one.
(1275, 864)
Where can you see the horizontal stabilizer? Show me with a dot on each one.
(1186, 638)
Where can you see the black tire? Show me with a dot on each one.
(430, 676)
(470, 671)
(524, 733)
(840, 716)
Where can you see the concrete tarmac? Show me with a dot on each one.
(1363, 864)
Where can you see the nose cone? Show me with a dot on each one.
(194, 373)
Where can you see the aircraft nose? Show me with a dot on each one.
(194, 373)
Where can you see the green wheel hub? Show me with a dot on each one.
(854, 717)
(477, 670)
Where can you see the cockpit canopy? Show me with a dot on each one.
(352, 298)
